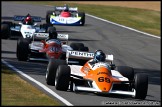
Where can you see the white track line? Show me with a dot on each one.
(123, 26)
(38, 83)
(118, 25)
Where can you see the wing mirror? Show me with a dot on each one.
(20, 23)
(43, 41)
(35, 24)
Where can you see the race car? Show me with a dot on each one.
(25, 28)
(64, 15)
(38, 48)
(99, 78)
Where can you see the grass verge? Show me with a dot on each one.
(140, 19)
(17, 92)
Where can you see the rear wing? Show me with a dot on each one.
(20, 18)
(41, 36)
(85, 56)
(61, 8)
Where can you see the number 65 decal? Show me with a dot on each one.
(104, 79)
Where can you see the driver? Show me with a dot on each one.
(65, 12)
(28, 20)
(52, 35)
(99, 56)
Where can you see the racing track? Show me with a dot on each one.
(128, 47)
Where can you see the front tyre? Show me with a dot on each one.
(22, 49)
(48, 15)
(82, 15)
(141, 85)
(51, 70)
(62, 78)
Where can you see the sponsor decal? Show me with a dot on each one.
(102, 73)
(63, 36)
(84, 54)
(41, 34)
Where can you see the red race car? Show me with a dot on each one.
(40, 49)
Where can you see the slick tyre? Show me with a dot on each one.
(45, 26)
(76, 46)
(79, 47)
(141, 85)
(5, 31)
(22, 50)
(82, 15)
(62, 78)
(48, 16)
(126, 71)
(51, 70)
(86, 49)
(51, 28)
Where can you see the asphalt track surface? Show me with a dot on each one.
(130, 48)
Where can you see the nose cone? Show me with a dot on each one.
(104, 86)
(103, 79)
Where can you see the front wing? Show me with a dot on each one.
(57, 20)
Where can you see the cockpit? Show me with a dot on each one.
(53, 41)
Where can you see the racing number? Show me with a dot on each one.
(102, 79)
(54, 49)
(61, 19)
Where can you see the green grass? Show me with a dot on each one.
(140, 19)
(17, 92)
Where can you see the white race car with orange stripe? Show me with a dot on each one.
(101, 77)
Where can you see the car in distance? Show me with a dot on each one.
(64, 15)
(38, 48)
(11, 29)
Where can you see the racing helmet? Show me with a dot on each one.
(99, 56)
(28, 20)
(52, 34)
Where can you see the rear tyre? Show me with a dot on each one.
(5, 31)
(62, 77)
(79, 47)
(22, 49)
(141, 85)
(126, 72)
(53, 29)
(51, 70)
(86, 49)
(45, 26)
